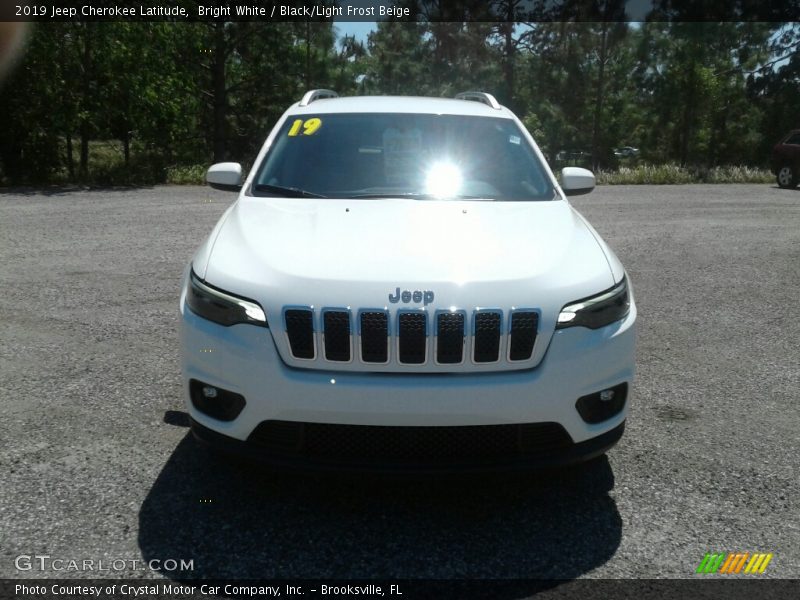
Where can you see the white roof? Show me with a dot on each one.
(399, 104)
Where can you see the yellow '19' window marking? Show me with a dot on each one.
(309, 127)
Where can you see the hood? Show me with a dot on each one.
(356, 252)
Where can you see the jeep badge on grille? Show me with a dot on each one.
(406, 296)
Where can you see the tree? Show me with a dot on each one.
(398, 61)
(691, 87)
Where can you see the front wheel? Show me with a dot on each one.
(787, 177)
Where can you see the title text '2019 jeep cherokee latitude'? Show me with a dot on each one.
(402, 284)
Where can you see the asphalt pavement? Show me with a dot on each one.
(96, 461)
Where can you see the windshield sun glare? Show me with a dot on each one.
(443, 180)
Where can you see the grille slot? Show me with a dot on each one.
(300, 330)
(374, 337)
(524, 325)
(487, 337)
(413, 337)
(450, 338)
(336, 325)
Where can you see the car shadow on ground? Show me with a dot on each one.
(240, 521)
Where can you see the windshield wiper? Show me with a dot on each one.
(416, 196)
(289, 192)
(393, 195)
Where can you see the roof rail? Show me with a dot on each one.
(487, 99)
(317, 95)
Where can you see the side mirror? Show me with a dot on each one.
(576, 181)
(225, 176)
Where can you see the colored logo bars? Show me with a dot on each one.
(734, 562)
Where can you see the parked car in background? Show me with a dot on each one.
(626, 152)
(786, 160)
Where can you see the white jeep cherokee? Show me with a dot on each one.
(402, 284)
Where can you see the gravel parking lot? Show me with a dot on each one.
(96, 461)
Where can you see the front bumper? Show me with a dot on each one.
(243, 359)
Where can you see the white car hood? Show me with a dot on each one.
(326, 249)
(357, 254)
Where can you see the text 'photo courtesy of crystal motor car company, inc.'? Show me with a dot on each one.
(403, 284)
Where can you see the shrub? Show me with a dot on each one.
(187, 175)
(675, 174)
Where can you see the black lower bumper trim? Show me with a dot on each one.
(553, 456)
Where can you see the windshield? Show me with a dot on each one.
(375, 155)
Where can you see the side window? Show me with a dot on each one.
(793, 139)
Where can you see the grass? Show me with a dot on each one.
(740, 174)
(675, 174)
(187, 175)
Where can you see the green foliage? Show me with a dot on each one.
(675, 174)
(187, 175)
(533, 124)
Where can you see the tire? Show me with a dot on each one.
(787, 177)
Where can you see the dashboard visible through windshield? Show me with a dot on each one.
(425, 156)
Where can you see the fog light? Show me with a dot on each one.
(602, 405)
(215, 402)
(607, 395)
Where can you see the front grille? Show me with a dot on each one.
(380, 339)
(386, 444)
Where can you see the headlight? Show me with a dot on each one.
(597, 311)
(221, 307)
